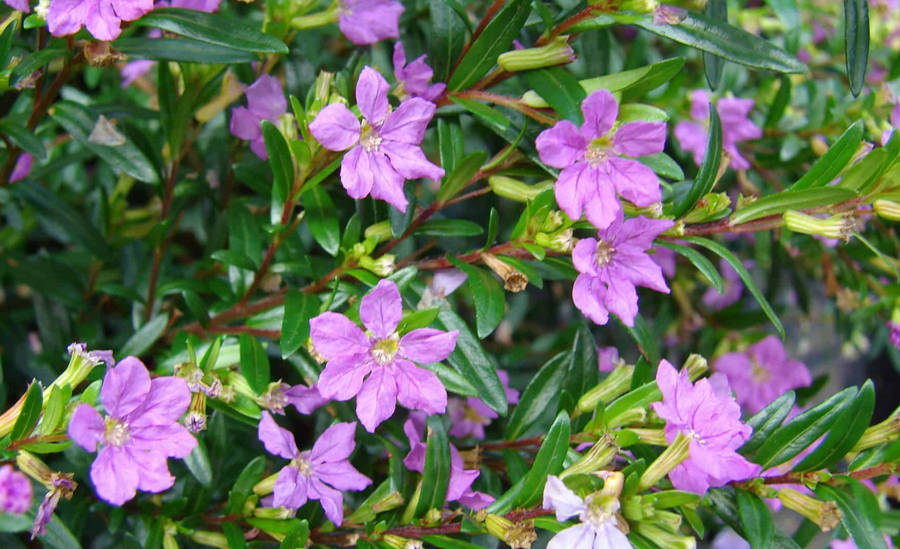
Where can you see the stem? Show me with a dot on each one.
(511, 102)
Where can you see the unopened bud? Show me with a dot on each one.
(398, 542)
(265, 486)
(711, 206)
(380, 231)
(636, 6)
(514, 280)
(836, 226)
(673, 455)
(277, 513)
(664, 538)
(388, 502)
(554, 221)
(657, 437)
(513, 189)
(628, 417)
(696, 366)
(887, 209)
(562, 241)
(884, 432)
(556, 52)
(212, 539)
(315, 20)
(35, 468)
(383, 266)
(616, 383)
(824, 513)
(169, 533)
(598, 456)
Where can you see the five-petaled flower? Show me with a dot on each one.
(265, 101)
(382, 355)
(597, 512)
(415, 77)
(102, 18)
(736, 127)
(596, 164)
(613, 264)
(369, 21)
(469, 417)
(137, 436)
(320, 473)
(384, 149)
(710, 418)
(15, 491)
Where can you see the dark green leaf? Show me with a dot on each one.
(282, 164)
(663, 165)
(144, 338)
(699, 261)
(181, 49)
(34, 61)
(254, 363)
(233, 535)
(457, 180)
(449, 227)
(448, 33)
(244, 237)
(58, 536)
(322, 219)
(31, 411)
(759, 529)
(6, 38)
(776, 204)
(495, 39)
(832, 162)
(559, 89)
(19, 134)
(781, 101)
(706, 176)
(490, 300)
(450, 143)
(862, 175)
(548, 461)
(647, 341)
(213, 28)
(581, 366)
(716, 10)
(857, 512)
(196, 306)
(436, 474)
(446, 542)
(198, 464)
(243, 486)
(297, 537)
(55, 408)
(231, 257)
(417, 319)
(847, 430)
(540, 394)
(298, 309)
(856, 42)
(767, 420)
(493, 228)
(636, 398)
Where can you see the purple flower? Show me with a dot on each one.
(368, 21)
(595, 164)
(320, 473)
(415, 76)
(613, 264)
(15, 491)
(383, 356)
(895, 122)
(895, 334)
(384, 151)
(731, 289)
(137, 436)
(95, 357)
(20, 5)
(608, 359)
(712, 423)
(469, 417)
(305, 399)
(22, 167)
(666, 258)
(265, 101)
(62, 485)
(597, 515)
(762, 373)
(102, 18)
(736, 127)
(459, 487)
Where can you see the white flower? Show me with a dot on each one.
(597, 514)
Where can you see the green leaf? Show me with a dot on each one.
(34, 61)
(297, 537)
(699, 261)
(19, 134)
(449, 227)
(213, 28)
(282, 164)
(786, 10)
(540, 394)
(322, 219)
(448, 34)
(781, 101)
(234, 535)
(144, 338)
(181, 49)
(490, 300)
(58, 536)
(244, 236)
(450, 144)
(706, 176)
(254, 363)
(858, 511)
(848, 429)
(243, 486)
(548, 461)
(55, 408)
(759, 529)
(446, 542)
(436, 474)
(472, 362)
(418, 319)
(636, 398)
(559, 89)
(826, 168)
(581, 365)
(862, 175)
(645, 338)
(493, 228)
(802, 431)
(198, 464)
(663, 165)
(231, 257)
(767, 420)
(738, 266)
(298, 309)
(776, 204)
(6, 38)
(716, 10)
(856, 42)
(495, 39)
(31, 411)
(460, 177)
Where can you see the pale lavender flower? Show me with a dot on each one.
(728, 539)
(762, 373)
(597, 515)
(446, 281)
(265, 101)
(667, 260)
(607, 358)
(20, 5)
(596, 164)
(102, 18)
(669, 15)
(95, 357)
(895, 122)
(613, 264)
(416, 76)
(383, 356)
(731, 289)
(320, 474)
(895, 334)
(736, 127)
(712, 422)
(305, 399)
(459, 487)
(369, 21)
(22, 167)
(62, 486)
(850, 544)
(15, 491)
(384, 150)
(137, 436)
(469, 417)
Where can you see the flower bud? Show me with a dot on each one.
(836, 226)
(265, 486)
(102, 54)
(277, 513)
(696, 366)
(616, 383)
(708, 208)
(388, 502)
(380, 231)
(598, 456)
(212, 539)
(824, 513)
(383, 266)
(513, 189)
(398, 542)
(319, 19)
(35, 468)
(636, 6)
(664, 538)
(887, 209)
(195, 419)
(884, 432)
(676, 452)
(514, 280)
(657, 437)
(562, 241)
(628, 417)
(556, 52)
(553, 222)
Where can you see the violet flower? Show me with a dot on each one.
(731, 289)
(383, 356)
(762, 373)
(15, 491)
(19, 5)
(384, 149)
(595, 161)
(608, 359)
(265, 101)
(415, 77)
(736, 127)
(613, 264)
(895, 122)
(369, 21)
(320, 474)
(597, 515)
(469, 417)
(459, 487)
(894, 334)
(712, 423)
(102, 18)
(22, 167)
(305, 399)
(62, 486)
(137, 436)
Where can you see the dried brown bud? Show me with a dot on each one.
(514, 280)
(102, 54)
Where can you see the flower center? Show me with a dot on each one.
(692, 434)
(605, 252)
(471, 414)
(385, 349)
(370, 140)
(116, 433)
(303, 465)
(600, 510)
(597, 151)
(761, 375)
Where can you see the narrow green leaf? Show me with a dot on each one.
(759, 529)
(144, 338)
(6, 39)
(446, 542)
(781, 101)
(198, 464)
(738, 266)
(448, 34)
(254, 363)
(699, 261)
(493, 228)
(454, 182)
(322, 219)
(19, 134)
(243, 486)
(298, 309)
(847, 430)
(856, 42)
(244, 235)
(559, 89)
(436, 475)
(716, 10)
(450, 143)
(548, 461)
(495, 39)
(181, 49)
(297, 537)
(636, 398)
(539, 396)
(31, 411)
(647, 341)
(490, 300)
(663, 165)
(213, 28)
(832, 162)
(862, 175)
(55, 408)
(581, 366)
(706, 176)
(449, 227)
(858, 512)
(776, 204)
(282, 164)
(231, 257)
(418, 319)
(767, 420)
(233, 535)
(786, 10)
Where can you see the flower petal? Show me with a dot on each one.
(86, 427)
(290, 488)
(566, 190)
(419, 389)
(561, 499)
(411, 162)
(600, 110)
(428, 345)
(640, 138)
(265, 98)
(125, 387)
(634, 181)
(342, 378)
(278, 441)
(66, 16)
(407, 124)
(692, 138)
(587, 294)
(335, 444)
(387, 183)
(368, 21)
(167, 401)
(335, 336)
(580, 536)
(335, 127)
(561, 146)
(172, 440)
(153, 471)
(331, 500)
(584, 256)
(305, 399)
(371, 96)
(377, 399)
(621, 299)
(244, 124)
(381, 309)
(601, 207)
(356, 172)
(114, 476)
(700, 105)
(102, 21)
(342, 475)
